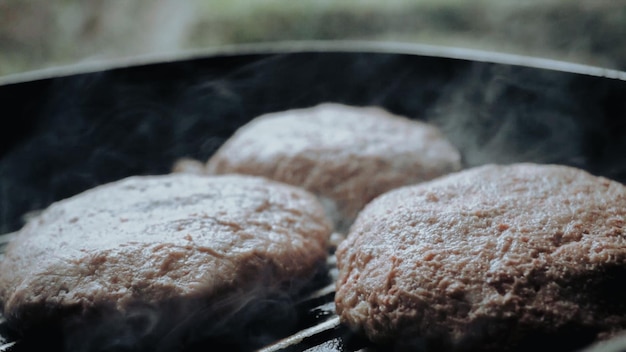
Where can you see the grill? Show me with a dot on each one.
(140, 116)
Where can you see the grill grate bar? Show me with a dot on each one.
(295, 339)
(6, 347)
(330, 289)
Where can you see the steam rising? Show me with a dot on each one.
(241, 320)
(503, 115)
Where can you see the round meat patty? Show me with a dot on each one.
(489, 258)
(147, 260)
(345, 155)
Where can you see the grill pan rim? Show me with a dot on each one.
(318, 46)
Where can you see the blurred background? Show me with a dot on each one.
(41, 34)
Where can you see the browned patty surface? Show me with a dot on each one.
(489, 258)
(183, 243)
(346, 155)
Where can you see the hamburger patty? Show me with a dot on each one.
(491, 257)
(345, 155)
(163, 250)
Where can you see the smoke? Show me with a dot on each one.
(507, 114)
(110, 330)
(233, 324)
(244, 318)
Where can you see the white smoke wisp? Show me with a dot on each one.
(243, 318)
(503, 114)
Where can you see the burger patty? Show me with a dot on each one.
(345, 155)
(163, 250)
(490, 258)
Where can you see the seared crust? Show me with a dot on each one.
(488, 257)
(345, 155)
(181, 242)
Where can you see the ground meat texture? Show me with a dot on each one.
(157, 253)
(490, 258)
(345, 155)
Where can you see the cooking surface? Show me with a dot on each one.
(77, 131)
